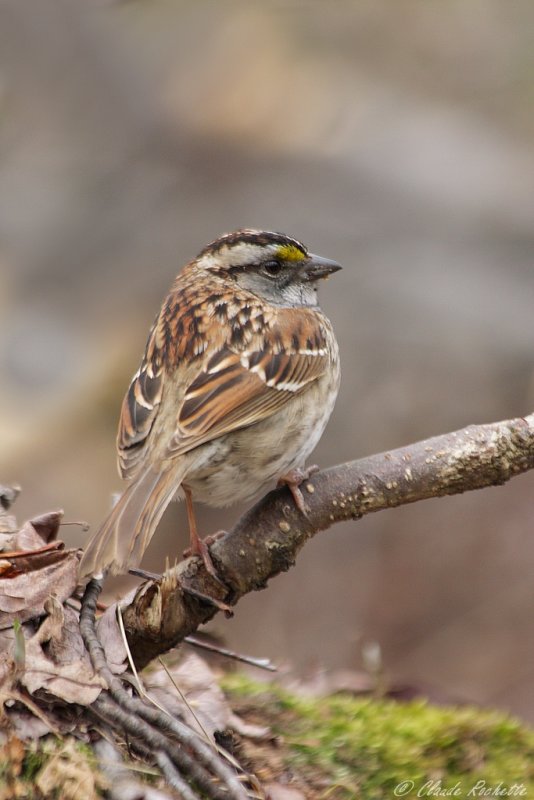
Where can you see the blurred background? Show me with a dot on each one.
(394, 137)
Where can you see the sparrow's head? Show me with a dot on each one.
(273, 266)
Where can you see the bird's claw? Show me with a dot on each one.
(201, 548)
(293, 480)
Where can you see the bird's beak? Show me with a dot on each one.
(317, 267)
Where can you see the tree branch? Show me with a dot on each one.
(267, 538)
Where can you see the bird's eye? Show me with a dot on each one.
(272, 268)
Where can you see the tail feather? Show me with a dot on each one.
(122, 539)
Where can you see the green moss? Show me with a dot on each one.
(37, 754)
(367, 747)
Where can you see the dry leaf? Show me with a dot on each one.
(64, 670)
(47, 525)
(112, 641)
(8, 672)
(23, 597)
(10, 652)
(195, 680)
(16, 562)
(7, 636)
(34, 533)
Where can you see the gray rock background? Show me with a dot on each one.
(394, 137)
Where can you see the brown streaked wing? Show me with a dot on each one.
(238, 389)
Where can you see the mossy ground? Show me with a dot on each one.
(334, 748)
(343, 748)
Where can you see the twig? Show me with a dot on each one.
(260, 663)
(149, 741)
(142, 721)
(172, 776)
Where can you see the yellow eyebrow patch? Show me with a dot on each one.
(289, 252)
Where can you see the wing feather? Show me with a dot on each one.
(139, 409)
(247, 388)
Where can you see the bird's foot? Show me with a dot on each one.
(293, 479)
(200, 547)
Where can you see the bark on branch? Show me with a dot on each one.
(266, 540)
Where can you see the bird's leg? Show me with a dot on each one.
(293, 479)
(198, 547)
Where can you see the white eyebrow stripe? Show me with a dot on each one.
(237, 254)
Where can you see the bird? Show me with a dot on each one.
(237, 382)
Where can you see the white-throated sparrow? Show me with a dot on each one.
(238, 380)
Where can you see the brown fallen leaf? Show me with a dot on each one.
(23, 596)
(64, 668)
(7, 673)
(112, 640)
(12, 656)
(16, 562)
(47, 525)
(7, 636)
(205, 708)
(34, 533)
